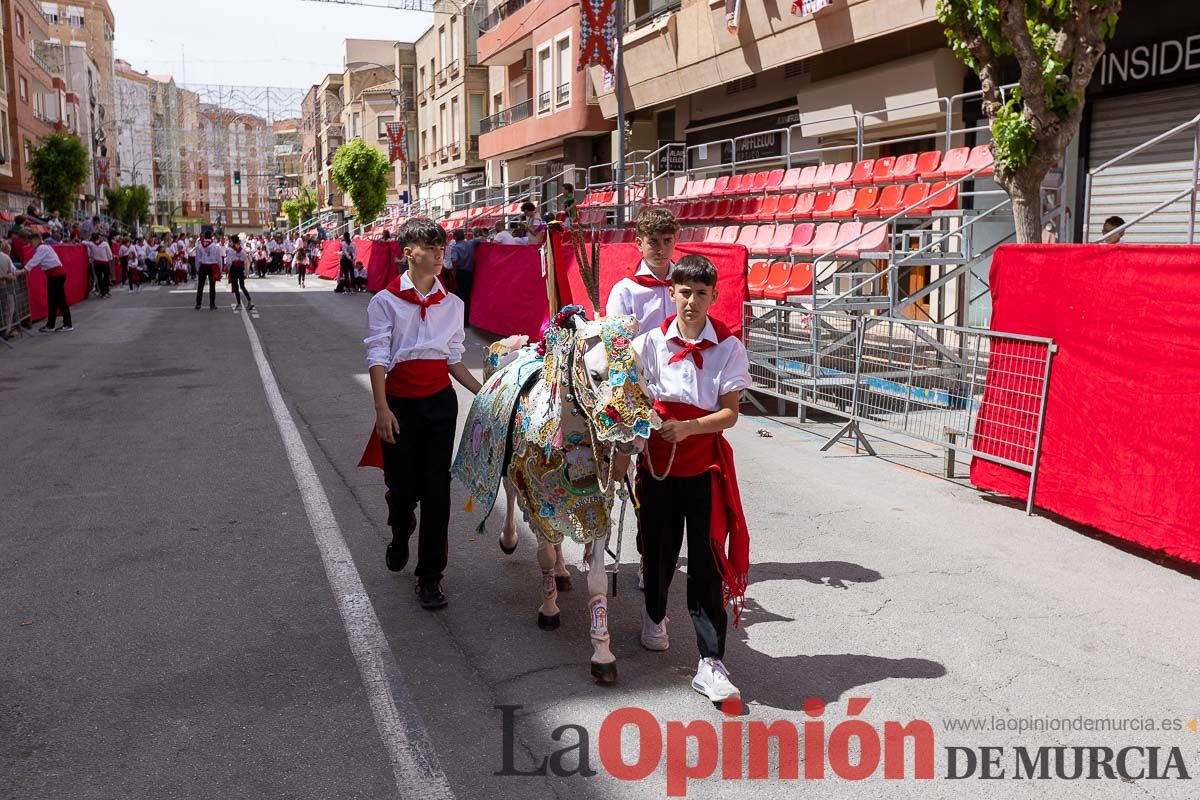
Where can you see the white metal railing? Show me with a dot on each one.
(1193, 126)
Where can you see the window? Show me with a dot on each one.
(474, 113)
(455, 122)
(442, 124)
(50, 12)
(23, 89)
(4, 135)
(20, 25)
(382, 121)
(442, 46)
(424, 144)
(75, 16)
(562, 92)
(433, 139)
(25, 150)
(422, 84)
(497, 102)
(454, 39)
(545, 80)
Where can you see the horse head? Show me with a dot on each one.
(592, 361)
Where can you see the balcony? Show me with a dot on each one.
(506, 117)
(454, 68)
(501, 13)
(562, 95)
(544, 102)
(422, 97)
(443, 75)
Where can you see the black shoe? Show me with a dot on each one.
(397, 552)
(430, 596)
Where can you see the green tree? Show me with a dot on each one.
(137, 203)
(307, 204)
(1056, 45)
(117, 200)
(361, 171)
(59, 166)
(291, 210)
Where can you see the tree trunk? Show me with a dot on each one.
(1025, 189)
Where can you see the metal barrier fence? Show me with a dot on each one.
(14, 304)
(973, 391)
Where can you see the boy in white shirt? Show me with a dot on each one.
(647, 295)
(45, 259)
(694, 369)
(415, 345)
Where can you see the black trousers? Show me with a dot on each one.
(237, 280)
(102, 277)
(347, 270)
(465, 279)
(416, 470)
(129, 262)
(56, 300)
(668, 507)
(301, 270)
(276, 262)
(206, 274)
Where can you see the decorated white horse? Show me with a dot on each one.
(548, 422)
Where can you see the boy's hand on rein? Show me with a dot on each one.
(675, 430)
(386, 425)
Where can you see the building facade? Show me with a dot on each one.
(289, 172)
(330, 135)
(35, 102)
(233, 163)
(544, 120)
(134, 129)
(452, 91)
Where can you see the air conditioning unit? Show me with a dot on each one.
(527, 61)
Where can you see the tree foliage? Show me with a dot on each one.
(298, 209)
(361, 171)
(128, 204)
(117, 200)
(1056, 45)
(58, 166)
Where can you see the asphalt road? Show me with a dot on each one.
(168, 627)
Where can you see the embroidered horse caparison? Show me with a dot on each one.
(548, 422)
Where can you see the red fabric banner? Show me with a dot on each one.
(1119, 446)
(509, 294)
(618, 261)
(330, 264)
(75, 262)
(380, 257)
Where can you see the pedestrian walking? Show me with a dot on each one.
(415, 344)
(301, 261)
(349, 255)
(208, 265)
(239, 260)
(695, 370)
(100, 254)
(45, 259)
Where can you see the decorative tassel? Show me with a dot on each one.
(481, 528)
(470, 506)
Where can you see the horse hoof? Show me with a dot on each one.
(563, 583)
(548, 623)
(508, 551)
(605, 674)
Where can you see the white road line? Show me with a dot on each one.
(414, 762)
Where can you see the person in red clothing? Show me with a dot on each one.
(694, 369)
(45, 259)
(646, 294)
(415, 344)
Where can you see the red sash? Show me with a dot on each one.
(417, 378)
(695, 455)
(54, 272)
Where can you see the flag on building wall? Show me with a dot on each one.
(733, 12)
(805, 8)
(396, 144)
(102, 171)
(598, 31)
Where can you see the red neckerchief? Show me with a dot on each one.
(693, 349)
(434, 297)
(649, 281)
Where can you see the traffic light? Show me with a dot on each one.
(237, 177)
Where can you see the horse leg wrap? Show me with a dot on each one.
(604, 666)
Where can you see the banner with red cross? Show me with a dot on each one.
(598, 30)
(396, 144)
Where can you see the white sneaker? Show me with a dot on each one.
(654, 637)
(67, 328)
(712, 680)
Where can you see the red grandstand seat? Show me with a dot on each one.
(799, 283)
(942, 195)
(875, 238)
(738, 208)
(791, 180)
(861, 176)
(756, 277)
(721, 210)
(804, 206)
(768, 209)
(714, 233)
(841, 174)
(763, 239)
(781, 242)
(914, 196)
(802, 236)
(760, 182)
(865, 200)
(904, 170)
(719, 186)
(730, 234)
(981, 156)
(733, 185)
(774, 180)
(843, 204)
(882, 171)
(843, 245)
(706, 187)
(954, 165)
(681, 188)
(823, 176)
(822, 204)
(708, 209)
(891, 199)
(691, 234)
(777, 279)
(750, 213)
(747, 235)
(787, 203)
(808, 177)
(929, 164)
(689, 211)
(822, 241)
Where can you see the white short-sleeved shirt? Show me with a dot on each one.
(726, 367)
(397, 332)
(650, 304)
